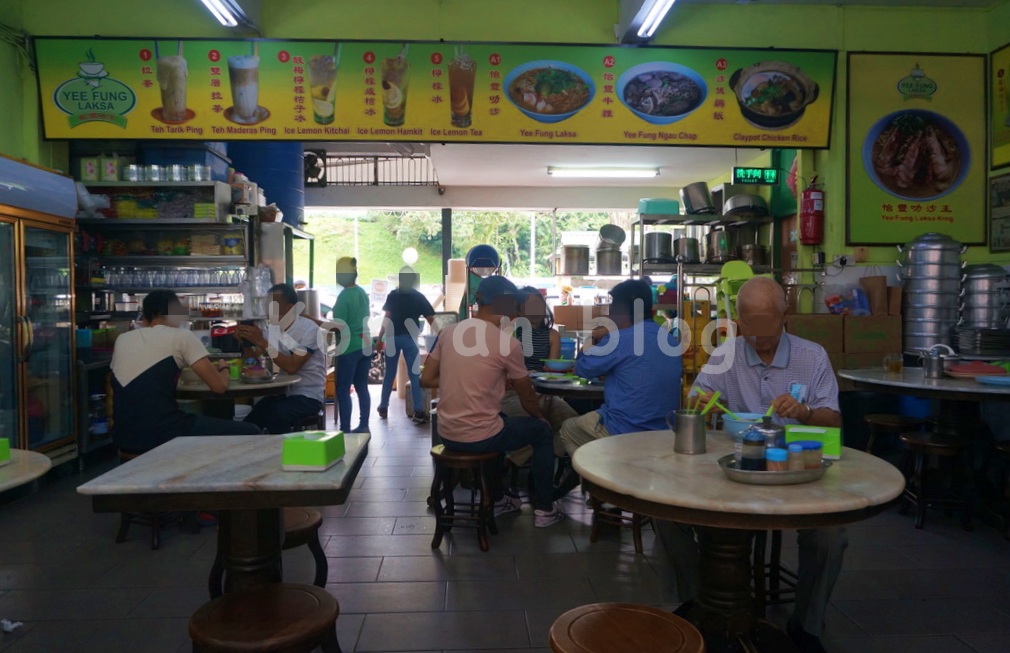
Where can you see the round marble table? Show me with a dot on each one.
(24, 467)
(223, 405)
(911, 382)
(641, 473)
(569, 390)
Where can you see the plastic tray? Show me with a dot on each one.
(728, 465)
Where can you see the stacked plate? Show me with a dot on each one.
(973, 341)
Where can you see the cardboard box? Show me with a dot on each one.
(825, 330)
(872, 333)
(577, 318)
(894, 300)
(865, 360)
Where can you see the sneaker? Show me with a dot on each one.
(545, 518)
(506, 505)
(361, 429)
(383, 412)
(804, 641)
(419, 417)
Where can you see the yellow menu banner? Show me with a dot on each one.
(425, 91)
(999, 108)
(916, 147)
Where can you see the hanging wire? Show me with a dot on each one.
(21, 42)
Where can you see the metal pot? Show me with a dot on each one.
(930, 270)
(931, 285)
(611, 236)
(920, 298)
(985, 271)
(752, 254)
(745, 234)
(658, 245)
(978, 286)
(696, 199)
(932, 248)
(939, 313)
(997, 298)
(608, 261)
(574, 260)
(745, 207)
(720, 246)
(989, 316)
(913, 345)
(688, 248)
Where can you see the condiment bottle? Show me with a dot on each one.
(775, 434)
(812, 453)
(753, 453)
(795, 463)
(776, 459)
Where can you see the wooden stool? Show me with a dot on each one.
(301, 528)
(617, 518)
(888, 423)
(275, 618)
(781, 585)
(922, 445)
(155, 520)
(623, 628)
(480, 511)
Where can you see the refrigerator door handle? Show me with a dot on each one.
(27, 339)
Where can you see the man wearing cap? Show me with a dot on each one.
(470, 365)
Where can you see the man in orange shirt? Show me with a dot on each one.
(471, 364)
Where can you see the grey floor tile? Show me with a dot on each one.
(538, 623)
(927, 644)
(443, 631)
(105, 636)
(986, 643)
(348, 630)
(418, 494)
(358, 526)
(538, 566)
(387, 470)
(627, 589)
(399, 482)
(51, 576)
(924, 617)
(420, 568)
(414, 525)
(377, 545)
(172, 602)
(371, 598)
(363, 495)
(518, 595)
(352, 570)
(389, 509)
(78, 604)
(406, 461)
(150, 571)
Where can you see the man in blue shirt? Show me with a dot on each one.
(640, 363)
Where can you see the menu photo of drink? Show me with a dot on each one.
(434, 91)
(999, 106)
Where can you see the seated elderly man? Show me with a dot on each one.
(470, 365)
(640, 363)
(767, 363)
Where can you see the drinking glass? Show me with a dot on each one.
(894, 363)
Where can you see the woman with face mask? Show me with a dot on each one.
(355, 346)
(146, 364)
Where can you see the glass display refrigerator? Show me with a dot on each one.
(37, 355)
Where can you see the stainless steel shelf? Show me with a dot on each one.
(178, 261)
(151, 184)
(181, 290)
(710, 220)
(157, 223)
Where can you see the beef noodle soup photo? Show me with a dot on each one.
(916, 154)
(661, 92)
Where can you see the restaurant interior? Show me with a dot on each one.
(851, 155)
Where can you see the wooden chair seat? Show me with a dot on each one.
(301, 528)
(276, 618)
(623, 628)
(889, 422)
(616, 517)
(936, 445)
(479, 512)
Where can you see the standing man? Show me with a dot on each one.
(298, 351)
(792, 375)
(471, 363)
(404, 307)
(640, 363)
(352, 312)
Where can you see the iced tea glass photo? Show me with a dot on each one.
(462, 72)
(172, 72)
(323, 83)
(244, 74)
(395, 77)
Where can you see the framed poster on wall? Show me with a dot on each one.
(915, 147)
(999, 106)
(999, 213)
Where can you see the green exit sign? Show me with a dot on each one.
(762, 176)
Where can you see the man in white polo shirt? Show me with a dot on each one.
(771, 368)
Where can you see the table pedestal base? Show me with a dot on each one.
(725, 613)
(249, 543)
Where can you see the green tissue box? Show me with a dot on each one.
(5, 451)
(830, 438)
(312, 451)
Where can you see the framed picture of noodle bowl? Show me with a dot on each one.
(916, 147)
(999, 213)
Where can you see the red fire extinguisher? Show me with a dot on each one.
(812, 214)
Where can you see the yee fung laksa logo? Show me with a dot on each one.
(93, 96)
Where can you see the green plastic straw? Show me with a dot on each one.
(771, 408)
(726, 411)
(711, 402)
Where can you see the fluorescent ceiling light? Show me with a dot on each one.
(603, 173)
(657, 11)
(224, 13)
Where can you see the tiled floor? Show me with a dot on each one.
(941, 590)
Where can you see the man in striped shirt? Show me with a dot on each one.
(755, 371)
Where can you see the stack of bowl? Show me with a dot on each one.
(930, 271)
(984, 300)
(608, 250)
